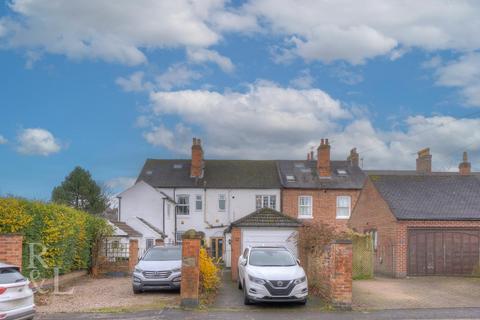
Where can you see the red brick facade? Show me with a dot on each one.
(11, 249)
(373, 213)
(324, 204)
(132, 255)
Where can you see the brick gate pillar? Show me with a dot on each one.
(132, 255)
(190, 285)
(11, 249)
(341, 277)
(236, 247)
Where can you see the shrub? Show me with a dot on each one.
(209, 278)
(66, 234)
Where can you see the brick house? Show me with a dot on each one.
(321, 190)
(422, 222)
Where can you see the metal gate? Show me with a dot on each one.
(443, 251)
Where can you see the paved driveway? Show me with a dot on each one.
(416, 292)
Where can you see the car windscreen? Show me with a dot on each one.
(163, 254)
(271, 258)
(10, 275)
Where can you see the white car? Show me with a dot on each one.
(271, 274)
(160, 268)
(16, 296)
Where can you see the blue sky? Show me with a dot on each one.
(105, 87)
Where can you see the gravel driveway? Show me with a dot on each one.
(104, 294)
(416, 292)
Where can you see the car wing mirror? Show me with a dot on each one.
(244, 262)
(298, 261)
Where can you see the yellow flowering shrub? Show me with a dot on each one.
(66, 234)
(209, 272)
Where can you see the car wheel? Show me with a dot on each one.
(246, 299)
(137, 291)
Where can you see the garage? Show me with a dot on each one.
(443, 251)
(264, 227)
(268, 237)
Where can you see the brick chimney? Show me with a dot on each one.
(323, 159)
(354, 158)
(424, 161)
(196, 168)
(465, 167)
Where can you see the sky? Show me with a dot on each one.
(106, 84)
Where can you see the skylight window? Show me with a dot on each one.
(290, 178)
(342, 172)
(299, 165)
(177, 166)
(149, 172)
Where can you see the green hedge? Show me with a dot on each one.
(68, 235)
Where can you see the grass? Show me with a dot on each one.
(362, 277)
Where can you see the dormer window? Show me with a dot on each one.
(290, 178)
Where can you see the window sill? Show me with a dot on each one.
(343, 218)
(305, 217)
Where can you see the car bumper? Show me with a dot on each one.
(259, 293)
(18, 314)
(142, 283)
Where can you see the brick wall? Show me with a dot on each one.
(236, 251)
(190, 285)
(324, 207)
(330, 273)
(132, 254)
(11, 249)
(373, 213)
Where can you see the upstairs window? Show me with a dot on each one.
(222, 202)
(265, 201)
(198, 202)
(183, 204)
(343, 207)
(305, 207)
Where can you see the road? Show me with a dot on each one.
(177, 314)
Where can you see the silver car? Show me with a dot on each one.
(16, 296)
(159, 268)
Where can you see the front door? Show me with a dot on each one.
(217, 248)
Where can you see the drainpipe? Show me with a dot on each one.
(119, 207)
(175, 218)
(163, 225)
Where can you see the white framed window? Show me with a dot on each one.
(198, 202)
(265, 201)
(222, 202)
(183, 204)
(305, 207)
(178, 236)
(149, 243)
(344, 204)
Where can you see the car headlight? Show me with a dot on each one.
(138, 270)
(176, 270)
(300, 280)
(256, 280)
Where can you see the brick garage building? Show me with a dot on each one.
(321, 190)
(423, 223)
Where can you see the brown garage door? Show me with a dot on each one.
(443, 251)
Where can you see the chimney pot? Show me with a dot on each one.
(465, 168)
(323, 159)
(424, 161)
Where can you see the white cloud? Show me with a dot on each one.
(463, 73)
(134, 83)
(36, 141)
(205, 55)
(358, 30)
(120, 183)
(3, 140)
(117, 31)
(271, 122)
(178, 75)
(303, 81)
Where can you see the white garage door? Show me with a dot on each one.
(269, 237)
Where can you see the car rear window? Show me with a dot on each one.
(10, 275)
(271, 258)
(163, 254)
